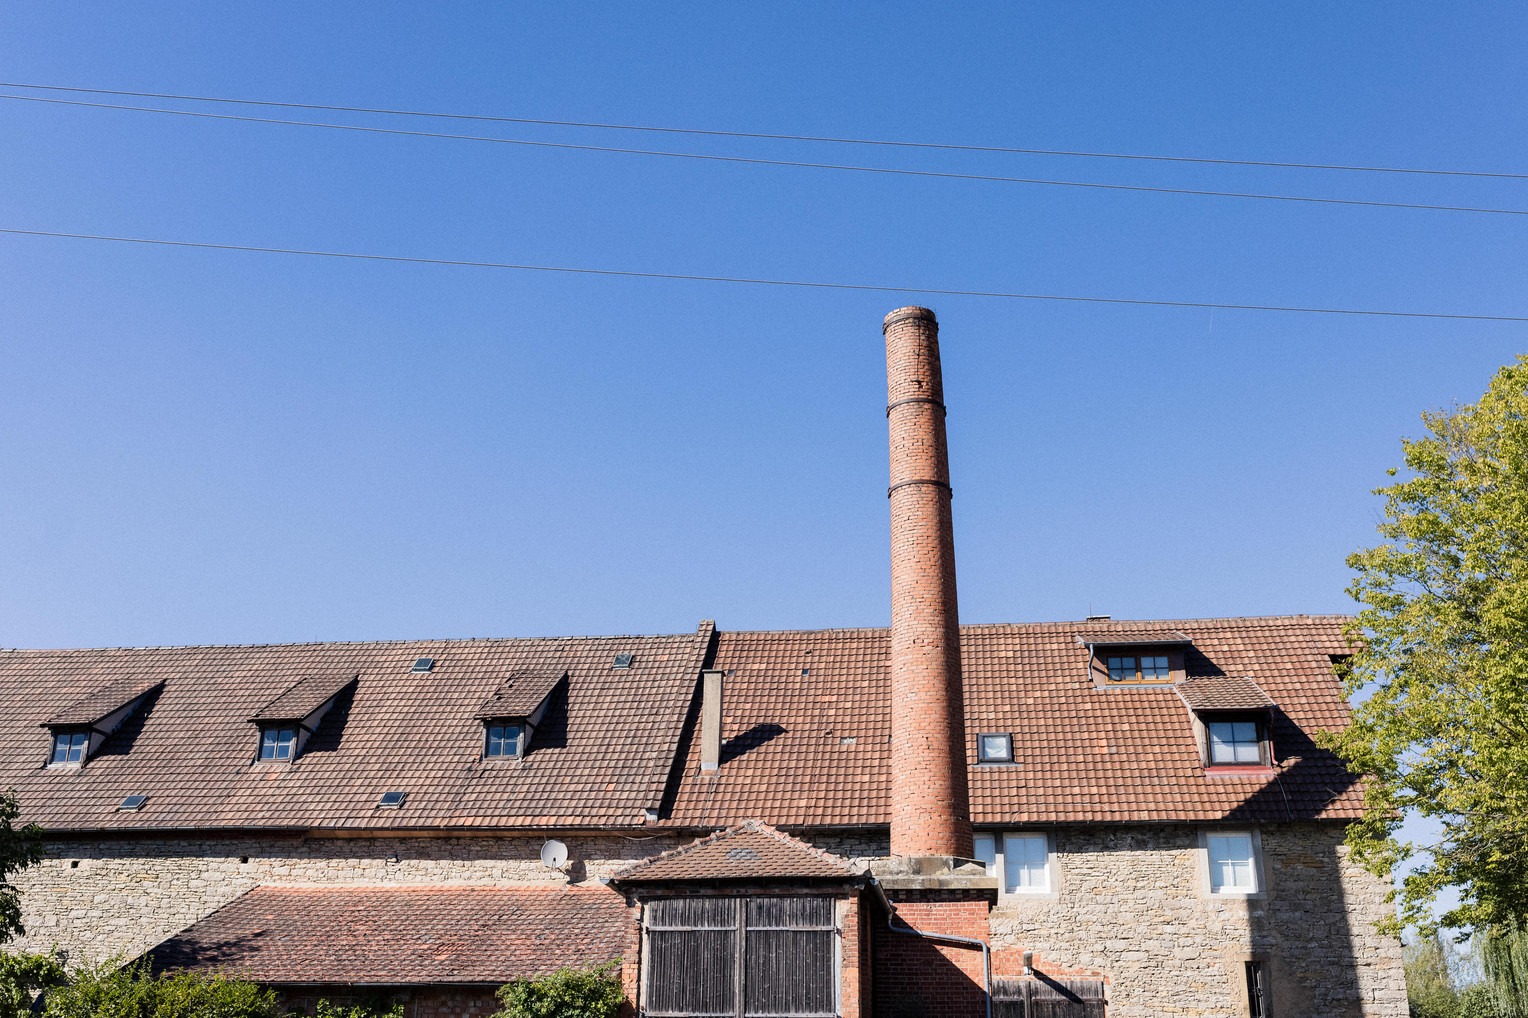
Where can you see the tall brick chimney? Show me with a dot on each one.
(930, 809)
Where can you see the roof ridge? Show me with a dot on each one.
(350, 643)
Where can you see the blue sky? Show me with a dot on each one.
(230, 447)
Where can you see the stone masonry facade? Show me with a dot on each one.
(1129, 905)
(99, 897)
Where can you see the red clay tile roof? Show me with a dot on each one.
(750, 851)
(304, 698)
(601, 756)
(103, 703)
(1222, 692)
(811, 750)
(402, 935)
(520, 695)
(802, 751)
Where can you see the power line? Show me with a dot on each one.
(774, 137)
(757, 280)
(773, 162)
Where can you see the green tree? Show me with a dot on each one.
(1429, 987)
(1503, 954)
(19, 848)
(567, 993)
(1441, 649)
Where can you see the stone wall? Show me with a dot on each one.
(98, 897)
(1131, 906)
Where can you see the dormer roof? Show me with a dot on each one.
(522, 694)
(1222, 692)
(90, 711)
(752, 850)
(304, 698)
(1134, 638)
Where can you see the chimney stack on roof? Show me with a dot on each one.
(930, 808)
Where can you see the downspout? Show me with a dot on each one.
(891, 912)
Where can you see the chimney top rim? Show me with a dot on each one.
(905, 313)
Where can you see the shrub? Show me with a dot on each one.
(21, 976)
(110, 990)
(567, 993)
(328, 1010)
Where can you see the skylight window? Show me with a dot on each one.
(994, 747)
(132, 804)
(69, 748)
(277, 744)
(622, 661)
(392, 800)
(424, 664)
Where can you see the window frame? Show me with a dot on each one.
(1140, 678)
(999, 866)
(71, 734)
(1255, 858)
(521, 739)
(981, 748)
(276, 729)
(1260, 740)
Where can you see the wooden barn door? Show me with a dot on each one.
(764, 957)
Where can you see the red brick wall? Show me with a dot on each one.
(920, 978)
(930, 812)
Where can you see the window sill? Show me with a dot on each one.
(1238, 771)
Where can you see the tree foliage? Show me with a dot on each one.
(19, 848)
(567, 993)
(22, 976)
(1442, 652)
(1503, 954)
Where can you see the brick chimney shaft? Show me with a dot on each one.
(930, 808)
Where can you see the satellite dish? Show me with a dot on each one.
(553, 854)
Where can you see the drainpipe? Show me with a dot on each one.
(891, 924)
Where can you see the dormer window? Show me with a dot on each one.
(287, 722)
(511, 714)
(1139, 668)
(504, 740)
(1144, 657)
(77, 732)
(69, 748)
(1232, 719)
(1235, 742)
(277, 744)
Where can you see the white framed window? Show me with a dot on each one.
(1026, 863)
(1235, 742)
(1020, 861)
(1232, 862)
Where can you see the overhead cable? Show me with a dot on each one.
(759, 281)
(772, 137)
(773, 162)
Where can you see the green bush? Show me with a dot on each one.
(110, 990)
(328, 1010)
(21, 976)
(568, 993)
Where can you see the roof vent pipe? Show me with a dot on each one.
(710, 721)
